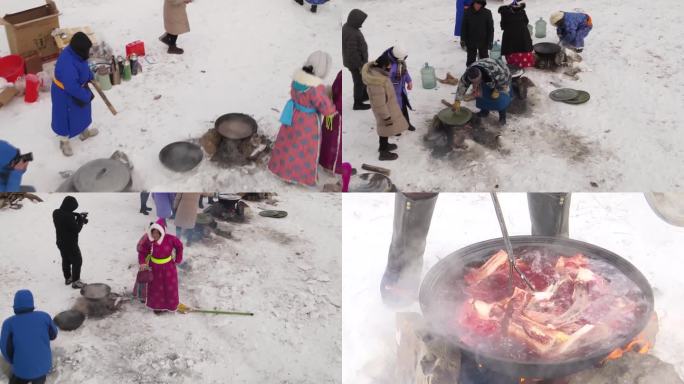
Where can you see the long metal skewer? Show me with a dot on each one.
(507, 243)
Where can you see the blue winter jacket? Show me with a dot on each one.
(71, 112)
(460, 10)
(316, 2)
(25, 338)
(10, 179)
(574, 28)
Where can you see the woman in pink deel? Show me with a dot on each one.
(157, 252)
(297, 146)
(331, 146)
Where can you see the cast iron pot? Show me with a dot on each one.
(437, 293)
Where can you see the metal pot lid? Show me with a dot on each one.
(102, 175)
(668, 206)
(581, 98)
(547, 48)
(370, 182)
(236, 126)
(449, 117)
(96, 291)
(181, 156)
(69, 320)
(229, 197)
(563, 94)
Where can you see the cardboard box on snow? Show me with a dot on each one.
(6, 95)
(31, 30)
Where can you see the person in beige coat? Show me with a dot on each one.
(175, 23)
(186, 205)
(383, 100)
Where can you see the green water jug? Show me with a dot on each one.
(427, 77)
(540, 28)
(127, 74)
(103, 79)
(495, 53)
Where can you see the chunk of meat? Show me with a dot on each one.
(495, 262)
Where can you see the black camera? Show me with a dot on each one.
(82, 217)
(19, 158)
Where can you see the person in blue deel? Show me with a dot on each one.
(71, 97)
(25, 341)
(461, 6)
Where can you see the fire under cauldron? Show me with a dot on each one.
(228, 208)
(548, 56)
(439, 303)
(234, 141)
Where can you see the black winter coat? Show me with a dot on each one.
(516, 36)
(67, 223)
(477, 30)
(354, 47)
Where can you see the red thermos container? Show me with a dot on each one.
(32, 86)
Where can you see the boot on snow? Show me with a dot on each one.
(65, 146)
(67, 281)
(502, 117)
(390, 147)
(174, 50)
(387, 156)
(78, 284)
(166, 39)
(300, 2)
(314, 8)
(412, 217)
(88, 133)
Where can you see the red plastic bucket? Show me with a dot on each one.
(32, 86)
(11, 67)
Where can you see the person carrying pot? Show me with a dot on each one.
(477, 31)
(572, 28)
(13, 165)
(161, 252)
(383, 99)
(491, 83)
(549, 215)
(71, 98)
(25, 341)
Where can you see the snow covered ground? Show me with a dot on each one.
(286, 271)
(625, 138)
(622, 223)
(239, 57)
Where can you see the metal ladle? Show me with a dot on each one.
(509, 246)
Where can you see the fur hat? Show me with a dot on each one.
(320, 62)
(399, 52)
(482, 2)
(474, 74)
(160, 227)
(556, 17)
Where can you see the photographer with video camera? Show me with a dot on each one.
(12, 167)
(68, 224)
